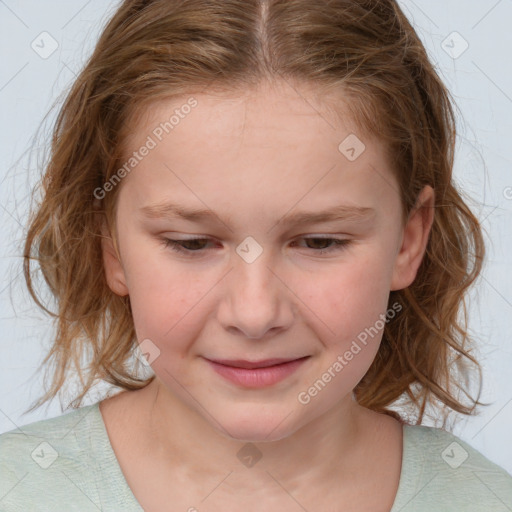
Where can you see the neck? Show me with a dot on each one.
(184, 441)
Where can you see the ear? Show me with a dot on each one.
(414, 240)
(114, 272)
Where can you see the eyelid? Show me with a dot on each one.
(338, 245)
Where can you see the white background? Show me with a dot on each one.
(480, 80)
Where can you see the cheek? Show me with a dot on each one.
(348, 305)
(349, 308)
(350, 297)
(165, 299)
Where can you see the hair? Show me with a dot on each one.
(162, 49)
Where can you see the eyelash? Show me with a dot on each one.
(339, 245)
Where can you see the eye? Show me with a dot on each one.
(195, 246)
(339, 244)
(178, 245)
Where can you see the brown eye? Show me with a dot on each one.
(191, 245)
(324, 244)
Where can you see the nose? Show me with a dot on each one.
(255, 299)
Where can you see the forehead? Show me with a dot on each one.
(293, 109)
(277, 142)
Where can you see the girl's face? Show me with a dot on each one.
(264, 282)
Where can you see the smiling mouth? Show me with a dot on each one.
(256, 374)
(251, 365)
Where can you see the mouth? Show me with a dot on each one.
(256, 374)
(250, 365)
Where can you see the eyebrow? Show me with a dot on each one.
(340, 212)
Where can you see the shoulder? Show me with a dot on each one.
(44, 441)
(54, 463)
(441, 471)
(37, 459)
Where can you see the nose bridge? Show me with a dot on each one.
(253, 262)
(253, 302)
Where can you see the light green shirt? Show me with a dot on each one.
(67, 464)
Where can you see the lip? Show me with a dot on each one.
(248, 365)
(256, 374)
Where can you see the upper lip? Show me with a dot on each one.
(240, 363)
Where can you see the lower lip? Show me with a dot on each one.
(257, 377)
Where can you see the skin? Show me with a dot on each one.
(252, 159)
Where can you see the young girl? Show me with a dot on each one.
(253, 201)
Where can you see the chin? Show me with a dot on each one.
(257, 426)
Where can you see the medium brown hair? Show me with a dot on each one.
(160, 49)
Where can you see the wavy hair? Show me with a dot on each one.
(152, 50)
